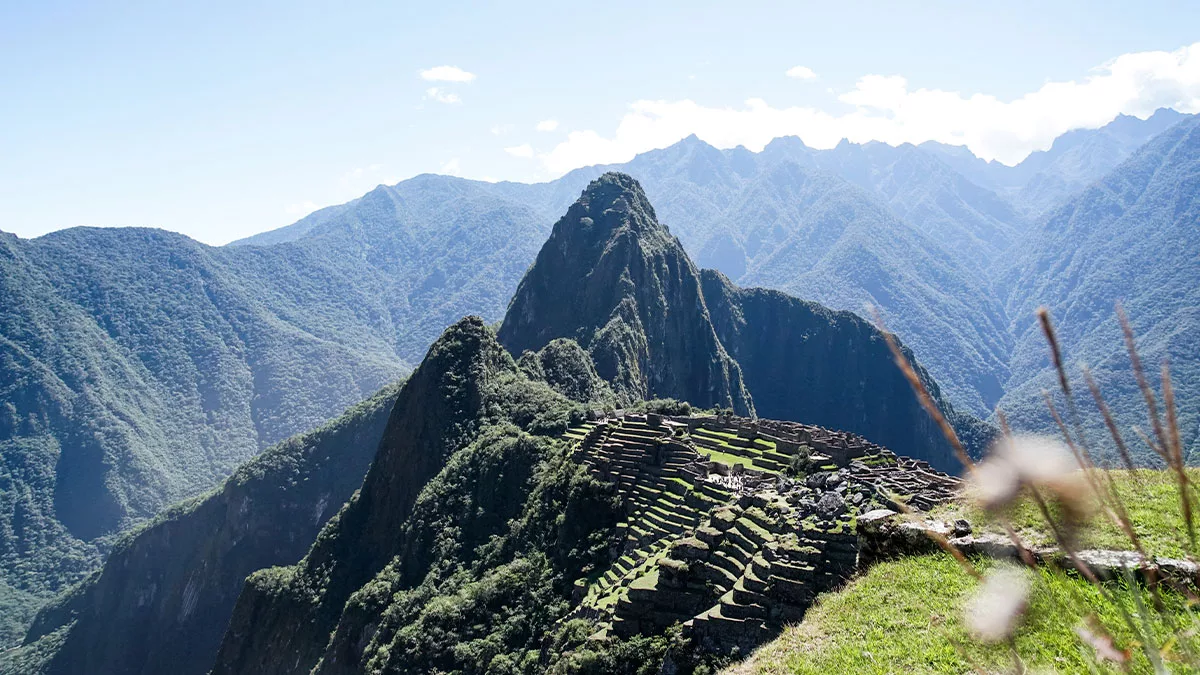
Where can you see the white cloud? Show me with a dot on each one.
(885, 108)
(547, 125)
(523, 150)
(451, 168)
(442, 96)
(801, 73)
(447, 74)
(501, 129)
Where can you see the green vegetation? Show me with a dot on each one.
(906, 616)
(1127, 237)
(612, 229)
(603, 276)
(1151, 498)
(195, 555)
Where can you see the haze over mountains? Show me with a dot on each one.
(141, 367)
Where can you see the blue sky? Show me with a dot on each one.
(223, 119)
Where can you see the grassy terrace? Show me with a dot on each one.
(730, 453)
(889, 621)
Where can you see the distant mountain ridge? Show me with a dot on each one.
(1130, 237)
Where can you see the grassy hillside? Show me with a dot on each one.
(907, 615)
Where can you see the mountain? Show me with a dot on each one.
(472, 538)
(919, 188)
(141, 367)
(462, 421)
(823, 225)
(803, 361)
(164, 595)
(1132, 237)
(614, 279)
(1046, 178)
(1079, 157)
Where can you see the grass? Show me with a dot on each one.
(758, 444)
(1151, 497)
(724, 457)
(905, 617)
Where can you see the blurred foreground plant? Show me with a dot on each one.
(1061, 477)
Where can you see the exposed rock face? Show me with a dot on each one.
(613, 278)
(163, 598)
(616, 280)
(806, 362)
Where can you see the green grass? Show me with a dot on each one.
(905, 617)
(759, 444)
(724, 457)
(1151, 497)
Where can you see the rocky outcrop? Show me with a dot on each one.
(613, 278)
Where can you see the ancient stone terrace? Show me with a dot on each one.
(734, 525)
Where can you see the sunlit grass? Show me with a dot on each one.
(1151, 498)
(905, 616)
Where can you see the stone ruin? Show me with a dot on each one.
(733, 525)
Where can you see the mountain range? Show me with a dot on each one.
(612, 308)
(141, 367)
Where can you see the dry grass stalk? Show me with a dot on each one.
(1109, 422)
(1143, 384)
(1175, 451)
(923, 396)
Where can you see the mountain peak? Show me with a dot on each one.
(606, 277)
(610, 204)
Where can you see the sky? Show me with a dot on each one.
(222, 119)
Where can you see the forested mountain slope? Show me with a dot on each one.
(163, 598)
(141, 367)
(1130, 237)
(1046, 178)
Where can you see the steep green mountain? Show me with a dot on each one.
(803, 361)
(1132, 236)
(614, 279)
(164, 595)
(435, 523)
(856, 225)
(141, 367)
